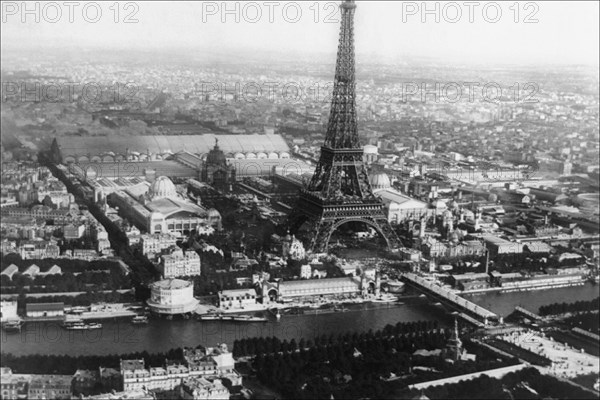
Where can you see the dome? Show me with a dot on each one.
(454, 237)
(214, 213)
(162, 187)
(380, 181)
(216, 155)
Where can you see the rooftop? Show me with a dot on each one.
(132, 365)
(44, 307)
(195, 144)
(171, 284)
(320, 282)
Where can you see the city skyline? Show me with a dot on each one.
(389, 31)
(186, 214)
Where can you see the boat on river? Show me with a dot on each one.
(140, 319)
(233, 318)
(13, 326)
(81, 326)
(395, 286)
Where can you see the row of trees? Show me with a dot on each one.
(359, 369)
(587, 321)
(66, 282)
(355, 365)
(65, 264)
(67, 365)
(578, 306)
(267, 345)
(84, 299)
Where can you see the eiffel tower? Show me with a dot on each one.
(339, 191)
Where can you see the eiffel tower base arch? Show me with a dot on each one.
(322, 226)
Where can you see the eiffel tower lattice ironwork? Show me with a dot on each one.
(339, 191)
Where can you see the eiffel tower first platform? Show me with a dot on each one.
(339, 191)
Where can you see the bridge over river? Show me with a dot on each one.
(467, 310)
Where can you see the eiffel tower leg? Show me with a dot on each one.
(292, 222)
(387, 231)
(322, 232)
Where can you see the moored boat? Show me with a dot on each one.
(249, 318)
(395, 286)
(140, 319)
(81, 326)
(13, 326)
(233, 318)
(340, 309)
(385, 299)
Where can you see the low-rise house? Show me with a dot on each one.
(13, 386)
(85, 382)
(200, 388)
(36, 250)
(49, 387)
(32, 270)
(472, 281)
(73, 231)
(10, 271)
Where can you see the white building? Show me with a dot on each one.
(397, 206)
(210, 363)
(292, 248)
(175, 263)
(8, 311)
(10, 271)
(158, 208)
(305, 271)
(136, 377)
(74, 231)
(172, 296)
(156, 243)
(37, 250)
(44, 310)
(103, 245)
(237, 298)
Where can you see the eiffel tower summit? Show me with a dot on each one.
(339, 191)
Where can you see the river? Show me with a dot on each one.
(120, 337)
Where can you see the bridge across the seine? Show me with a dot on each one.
(463, 306)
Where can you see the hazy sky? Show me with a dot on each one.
(565, 32)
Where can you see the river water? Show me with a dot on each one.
(121, 337)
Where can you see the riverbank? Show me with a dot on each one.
(67, 294)
(504, 304)
(524, 287)
(317, 303)
(120, 336)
